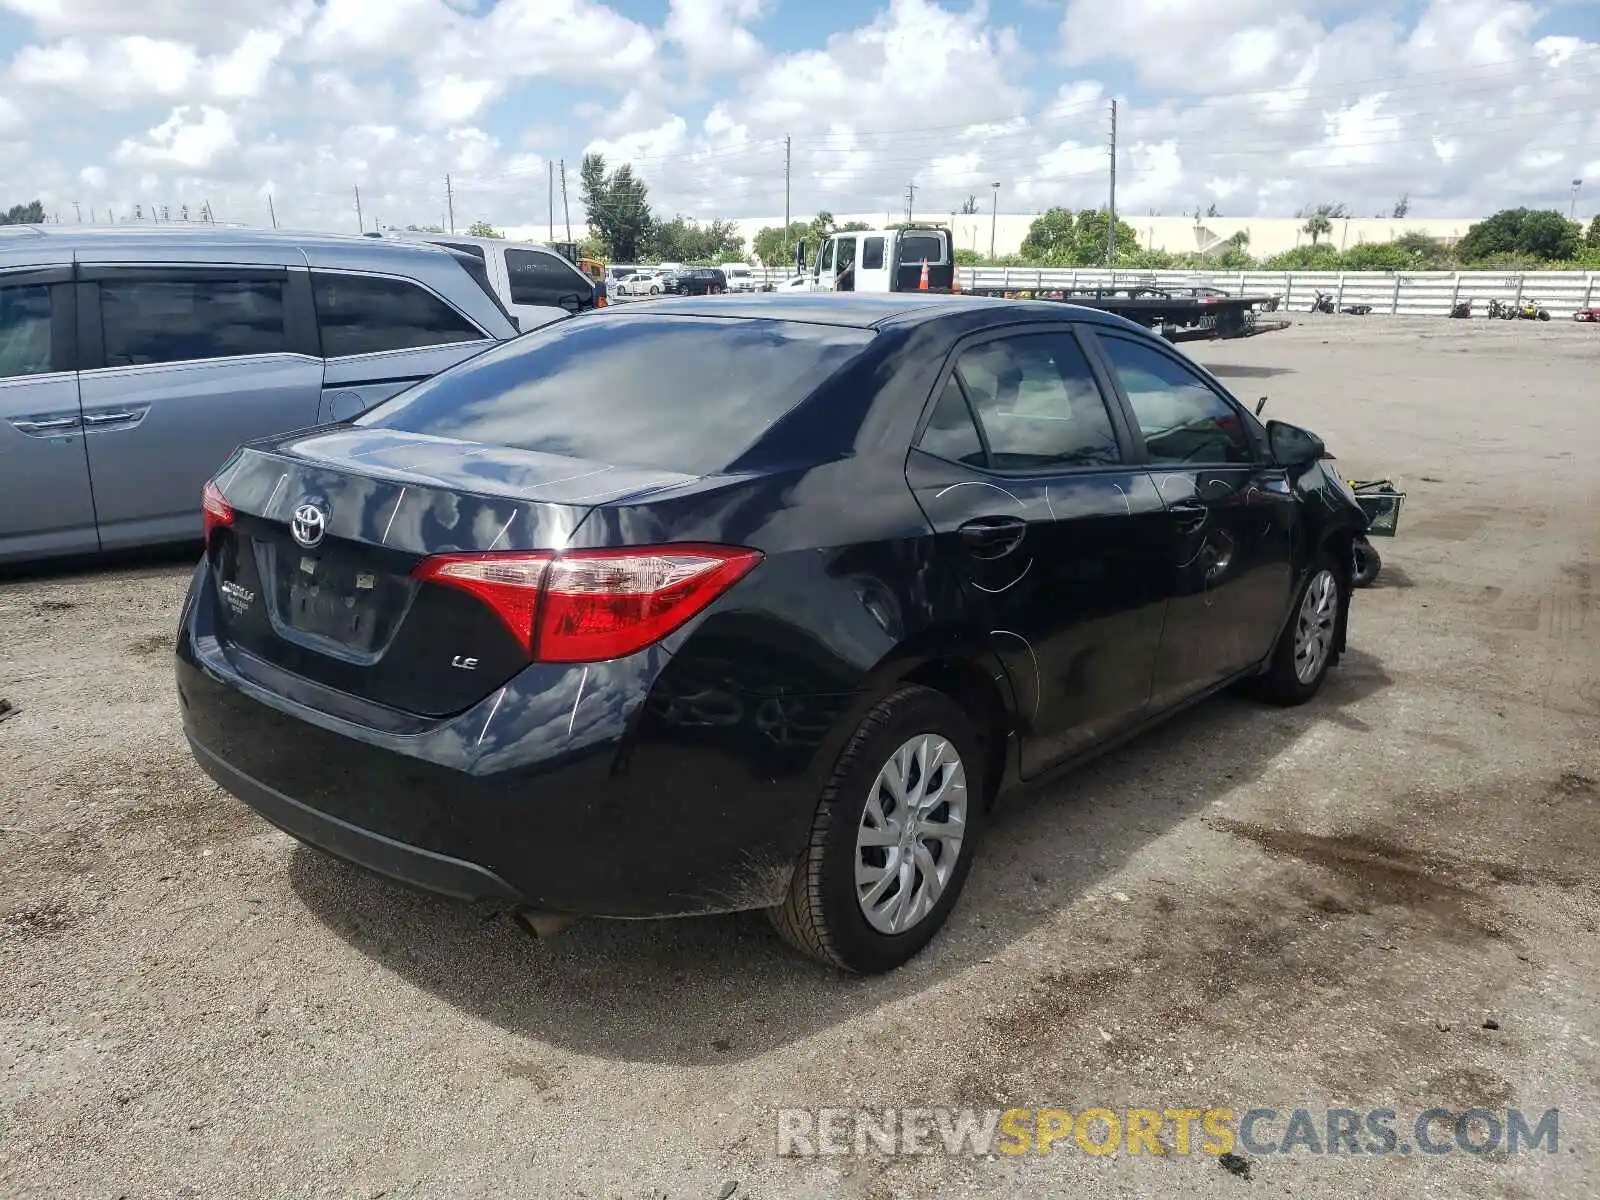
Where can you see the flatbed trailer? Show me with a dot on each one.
(1169, 312)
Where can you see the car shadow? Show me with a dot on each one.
(44, 570)
(725, 988)
(1244, 371)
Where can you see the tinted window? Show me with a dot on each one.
(686, 394)
(915, 247)
(950, 433)
(826, 261)
(872, 254)
(24, 330)
(174, 320)
(465, 248)
(1180, 417)
(1038, 402)
(362, 314)
(543, 279)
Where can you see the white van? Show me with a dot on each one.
(536, 284)
(740, 277)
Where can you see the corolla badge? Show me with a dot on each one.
(309, 523)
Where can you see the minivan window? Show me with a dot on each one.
(366, 314)
(920, 247)
(872, 254)
(24, 330)
(682, 394)
(178, 320)
(543, 279)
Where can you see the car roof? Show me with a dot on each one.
(207, 238)
(866, 311)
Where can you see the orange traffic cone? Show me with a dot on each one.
(922, 284)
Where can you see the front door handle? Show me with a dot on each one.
(45, 424)
(992, 537)
(108, 418)
(1190, 515)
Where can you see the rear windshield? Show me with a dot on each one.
(915, 247)
(683, 394)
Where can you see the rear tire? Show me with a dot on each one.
(1365, 564)
(910, 777)
(1304, 652)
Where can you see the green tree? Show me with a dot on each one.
(1592, 238)
(616, 207)
(31, 213)
(773, 248)
(484, 230)
(1531, 233)
(680, 240)
(1401, 207)
(411, 228)
(1304, 258)
(1050, 237)
(1427, 253)
(1378, 256)
(969, 205)
(1089, 238)
(852, 227)
(1317, 225)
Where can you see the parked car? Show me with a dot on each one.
(133, 362)
(536, 283)
(647, 281)
(695, 281)
(740, 277)
(774, 646)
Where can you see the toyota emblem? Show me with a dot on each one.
(309, 523)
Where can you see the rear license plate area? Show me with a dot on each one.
(334, 598)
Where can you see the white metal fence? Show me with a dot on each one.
(1413, 293)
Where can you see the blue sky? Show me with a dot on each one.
(1257, 106)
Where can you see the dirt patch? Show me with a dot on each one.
(155, 643)
(49, 918)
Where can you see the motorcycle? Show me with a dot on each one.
(1525, 310)
(1462, 308)
(1324, 304)
(1529, 311)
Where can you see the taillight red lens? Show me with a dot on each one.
(214, 510)
(593, 605)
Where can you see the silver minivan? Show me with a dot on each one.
(536, 284)
(134, 361)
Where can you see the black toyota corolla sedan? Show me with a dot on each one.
(747, 602)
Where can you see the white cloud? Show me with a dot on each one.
(1257, 105)
(190, 139)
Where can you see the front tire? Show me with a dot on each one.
(1304, 652)
(892, 840)
(1365, 563)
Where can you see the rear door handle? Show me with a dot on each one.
(1190, 515)
(992, 537)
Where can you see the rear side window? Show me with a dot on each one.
(917, 247)
(1038, 402)
(950, 433)
(544, 279)
(179, 320)
(872, 254)
(682, 394)
(24, 330)
(366, 314)
(465, 248)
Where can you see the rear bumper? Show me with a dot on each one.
(624, 789)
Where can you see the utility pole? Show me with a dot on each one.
(1572, 212)
(79, 211)
(911, 195)
(994, 217)
(450, 202)
(787, 150)
(360, 225)
(1111, 230)
(551, 234)
(566, 211)
(272, 211)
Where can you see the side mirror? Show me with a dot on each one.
(572, 302)
(1293, 446)
(1260, 404)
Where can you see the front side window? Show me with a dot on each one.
(24, 330)
(367, 314)
(543, 279)
(872, 254)
(1037, 400)
(826, 261)
(180, 320)
(1181, 419)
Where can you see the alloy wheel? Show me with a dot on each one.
(911, 833)
(1313, 635)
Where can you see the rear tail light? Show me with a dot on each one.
(216, 512)
(593, 605)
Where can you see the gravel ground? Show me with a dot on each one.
(1383, 899)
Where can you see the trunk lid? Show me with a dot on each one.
(314, 575)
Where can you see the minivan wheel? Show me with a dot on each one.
(891, 842)
(1304, 652)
